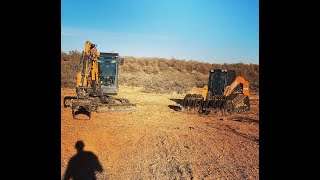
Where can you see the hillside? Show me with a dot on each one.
(160, 75)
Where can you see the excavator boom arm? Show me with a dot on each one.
(89, 63)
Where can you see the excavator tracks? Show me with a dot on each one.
(116, 105)
(240, 103)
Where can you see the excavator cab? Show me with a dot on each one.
(108, 67)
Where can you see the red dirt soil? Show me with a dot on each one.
(157, 142)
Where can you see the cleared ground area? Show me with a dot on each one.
(157, 142)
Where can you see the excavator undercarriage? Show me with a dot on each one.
(98, 104)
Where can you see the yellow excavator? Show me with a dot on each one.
(224, 92)
(97, 84)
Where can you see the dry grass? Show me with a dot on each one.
(160, 75)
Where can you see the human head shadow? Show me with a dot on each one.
(82, 165)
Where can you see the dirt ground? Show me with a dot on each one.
(157, 142)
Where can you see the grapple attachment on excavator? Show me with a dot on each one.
(97, 104)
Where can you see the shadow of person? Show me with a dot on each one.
(83, 165)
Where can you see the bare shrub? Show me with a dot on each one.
(160, 75)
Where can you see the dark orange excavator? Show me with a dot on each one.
(97, 83)
(225, 92)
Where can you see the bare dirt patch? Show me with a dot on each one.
(158, 142)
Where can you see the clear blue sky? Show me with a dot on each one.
(215, 31)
